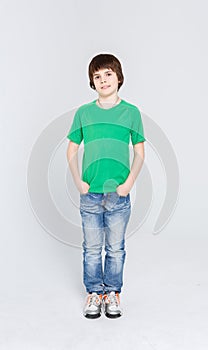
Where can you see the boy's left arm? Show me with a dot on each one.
(136, 166)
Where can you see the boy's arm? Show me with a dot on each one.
(136, 166)
(72, 156)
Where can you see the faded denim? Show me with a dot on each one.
(104, 220)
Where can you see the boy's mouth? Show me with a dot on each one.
(105, 87)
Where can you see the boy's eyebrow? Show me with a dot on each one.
(104, 72)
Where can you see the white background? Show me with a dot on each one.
(45, 50)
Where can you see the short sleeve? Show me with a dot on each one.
(137, 130)
(75, 133)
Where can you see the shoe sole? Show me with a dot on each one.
(92, 316)
(112, 315)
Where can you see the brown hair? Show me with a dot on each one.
(105, 61)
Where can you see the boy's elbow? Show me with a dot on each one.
(72, 150)
(139, 151)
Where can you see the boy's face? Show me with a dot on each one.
(105, 81)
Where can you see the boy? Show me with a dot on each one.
(106, 126)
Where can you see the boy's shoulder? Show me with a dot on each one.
(85, 106)
(131, 105)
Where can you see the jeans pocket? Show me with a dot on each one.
(127, 196)
(125, 200)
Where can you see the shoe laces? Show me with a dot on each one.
(113, 298)
(93, 299)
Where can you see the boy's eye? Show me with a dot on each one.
(97, 76)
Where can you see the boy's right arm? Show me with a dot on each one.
(72, 156)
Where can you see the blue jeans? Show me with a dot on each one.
(104, 220)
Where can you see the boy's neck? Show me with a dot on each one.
(107, 102)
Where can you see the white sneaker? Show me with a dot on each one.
(111, 305)
(93, 305)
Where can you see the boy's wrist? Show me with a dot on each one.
(78, 184)
(129, 182)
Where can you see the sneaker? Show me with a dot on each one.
(111, 305)
(93, 305)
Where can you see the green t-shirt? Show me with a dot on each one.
(106, 134)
